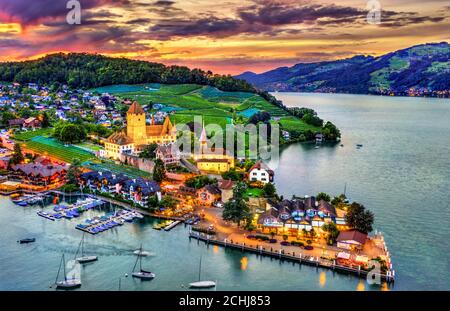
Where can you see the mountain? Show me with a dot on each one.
(418, 70)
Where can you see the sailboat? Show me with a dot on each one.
(67, 283)
(83, 258)
(199, 283)
(141, 274)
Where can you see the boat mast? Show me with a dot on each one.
(200, 268)
(59, 269)
(82, 245)
(64, 267)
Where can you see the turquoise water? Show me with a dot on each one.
(402, 174)
(175, 261)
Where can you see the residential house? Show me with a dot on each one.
(168, 154)
(260, 172)
(351, 239)
(226, 189)
(208, 195)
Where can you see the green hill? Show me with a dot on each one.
(422, 70)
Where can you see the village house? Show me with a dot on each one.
(226, 190)
(294, 216)
(31, 123)
(168, 155)
(351, 239)
(208, 195)
(260, 172)
(138, 190)
(42, 172)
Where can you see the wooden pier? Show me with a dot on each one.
(300, 258)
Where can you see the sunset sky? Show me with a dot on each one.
(229, 36)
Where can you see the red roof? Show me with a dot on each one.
(135, 108)
(352, 235)
(226, 184)
(261, 166)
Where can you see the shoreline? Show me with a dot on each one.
(389, 277)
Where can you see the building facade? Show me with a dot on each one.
(138, 134)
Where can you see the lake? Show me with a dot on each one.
(402, 174)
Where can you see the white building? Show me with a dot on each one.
(260, 172)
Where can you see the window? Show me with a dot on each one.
(254, 174)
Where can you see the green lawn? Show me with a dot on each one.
(53, 148)
(117, 169)
(254, 192)
(25, 136)
(293, 123)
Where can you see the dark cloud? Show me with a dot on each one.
(32, 12)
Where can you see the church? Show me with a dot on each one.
(214, 160)
(138, 134)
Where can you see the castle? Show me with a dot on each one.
(138, 134)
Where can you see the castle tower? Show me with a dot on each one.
(136, 128)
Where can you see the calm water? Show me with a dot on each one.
(402, 173)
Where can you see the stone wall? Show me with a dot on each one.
(142, 164)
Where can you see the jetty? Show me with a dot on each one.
(295, 257)
(172, 225)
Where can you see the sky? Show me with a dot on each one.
(228, 37)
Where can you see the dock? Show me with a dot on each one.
(300, 258)
(109, 221)
(172, 225)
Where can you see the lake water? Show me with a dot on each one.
(402, 174)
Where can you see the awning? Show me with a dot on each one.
(343, 255)
(362, 259)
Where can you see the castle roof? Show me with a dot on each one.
(135, 108)
(119, 138)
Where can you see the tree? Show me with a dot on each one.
(159, 171)
(74, 172)
(168, 202)
(357, 217)
(338, 200)
(232, 175)
(45, 122)
(269, 190)
(149, 151)
(17, 156)
(237, 210)
(332, 230)
(198, 182)
(323, 196)
(71, 133)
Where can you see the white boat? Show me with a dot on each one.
(83, 258)
(199, 283)
(141, 274)
(66, 283)
(138, 215)
(202, 284)
(140, 252)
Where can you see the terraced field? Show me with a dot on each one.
(189, 100)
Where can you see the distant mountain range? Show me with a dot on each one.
(421, 70)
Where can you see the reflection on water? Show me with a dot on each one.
(215, 249)
(244, 263)
(322, 279)
(361, 286)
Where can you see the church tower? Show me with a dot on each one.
(136, 128)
